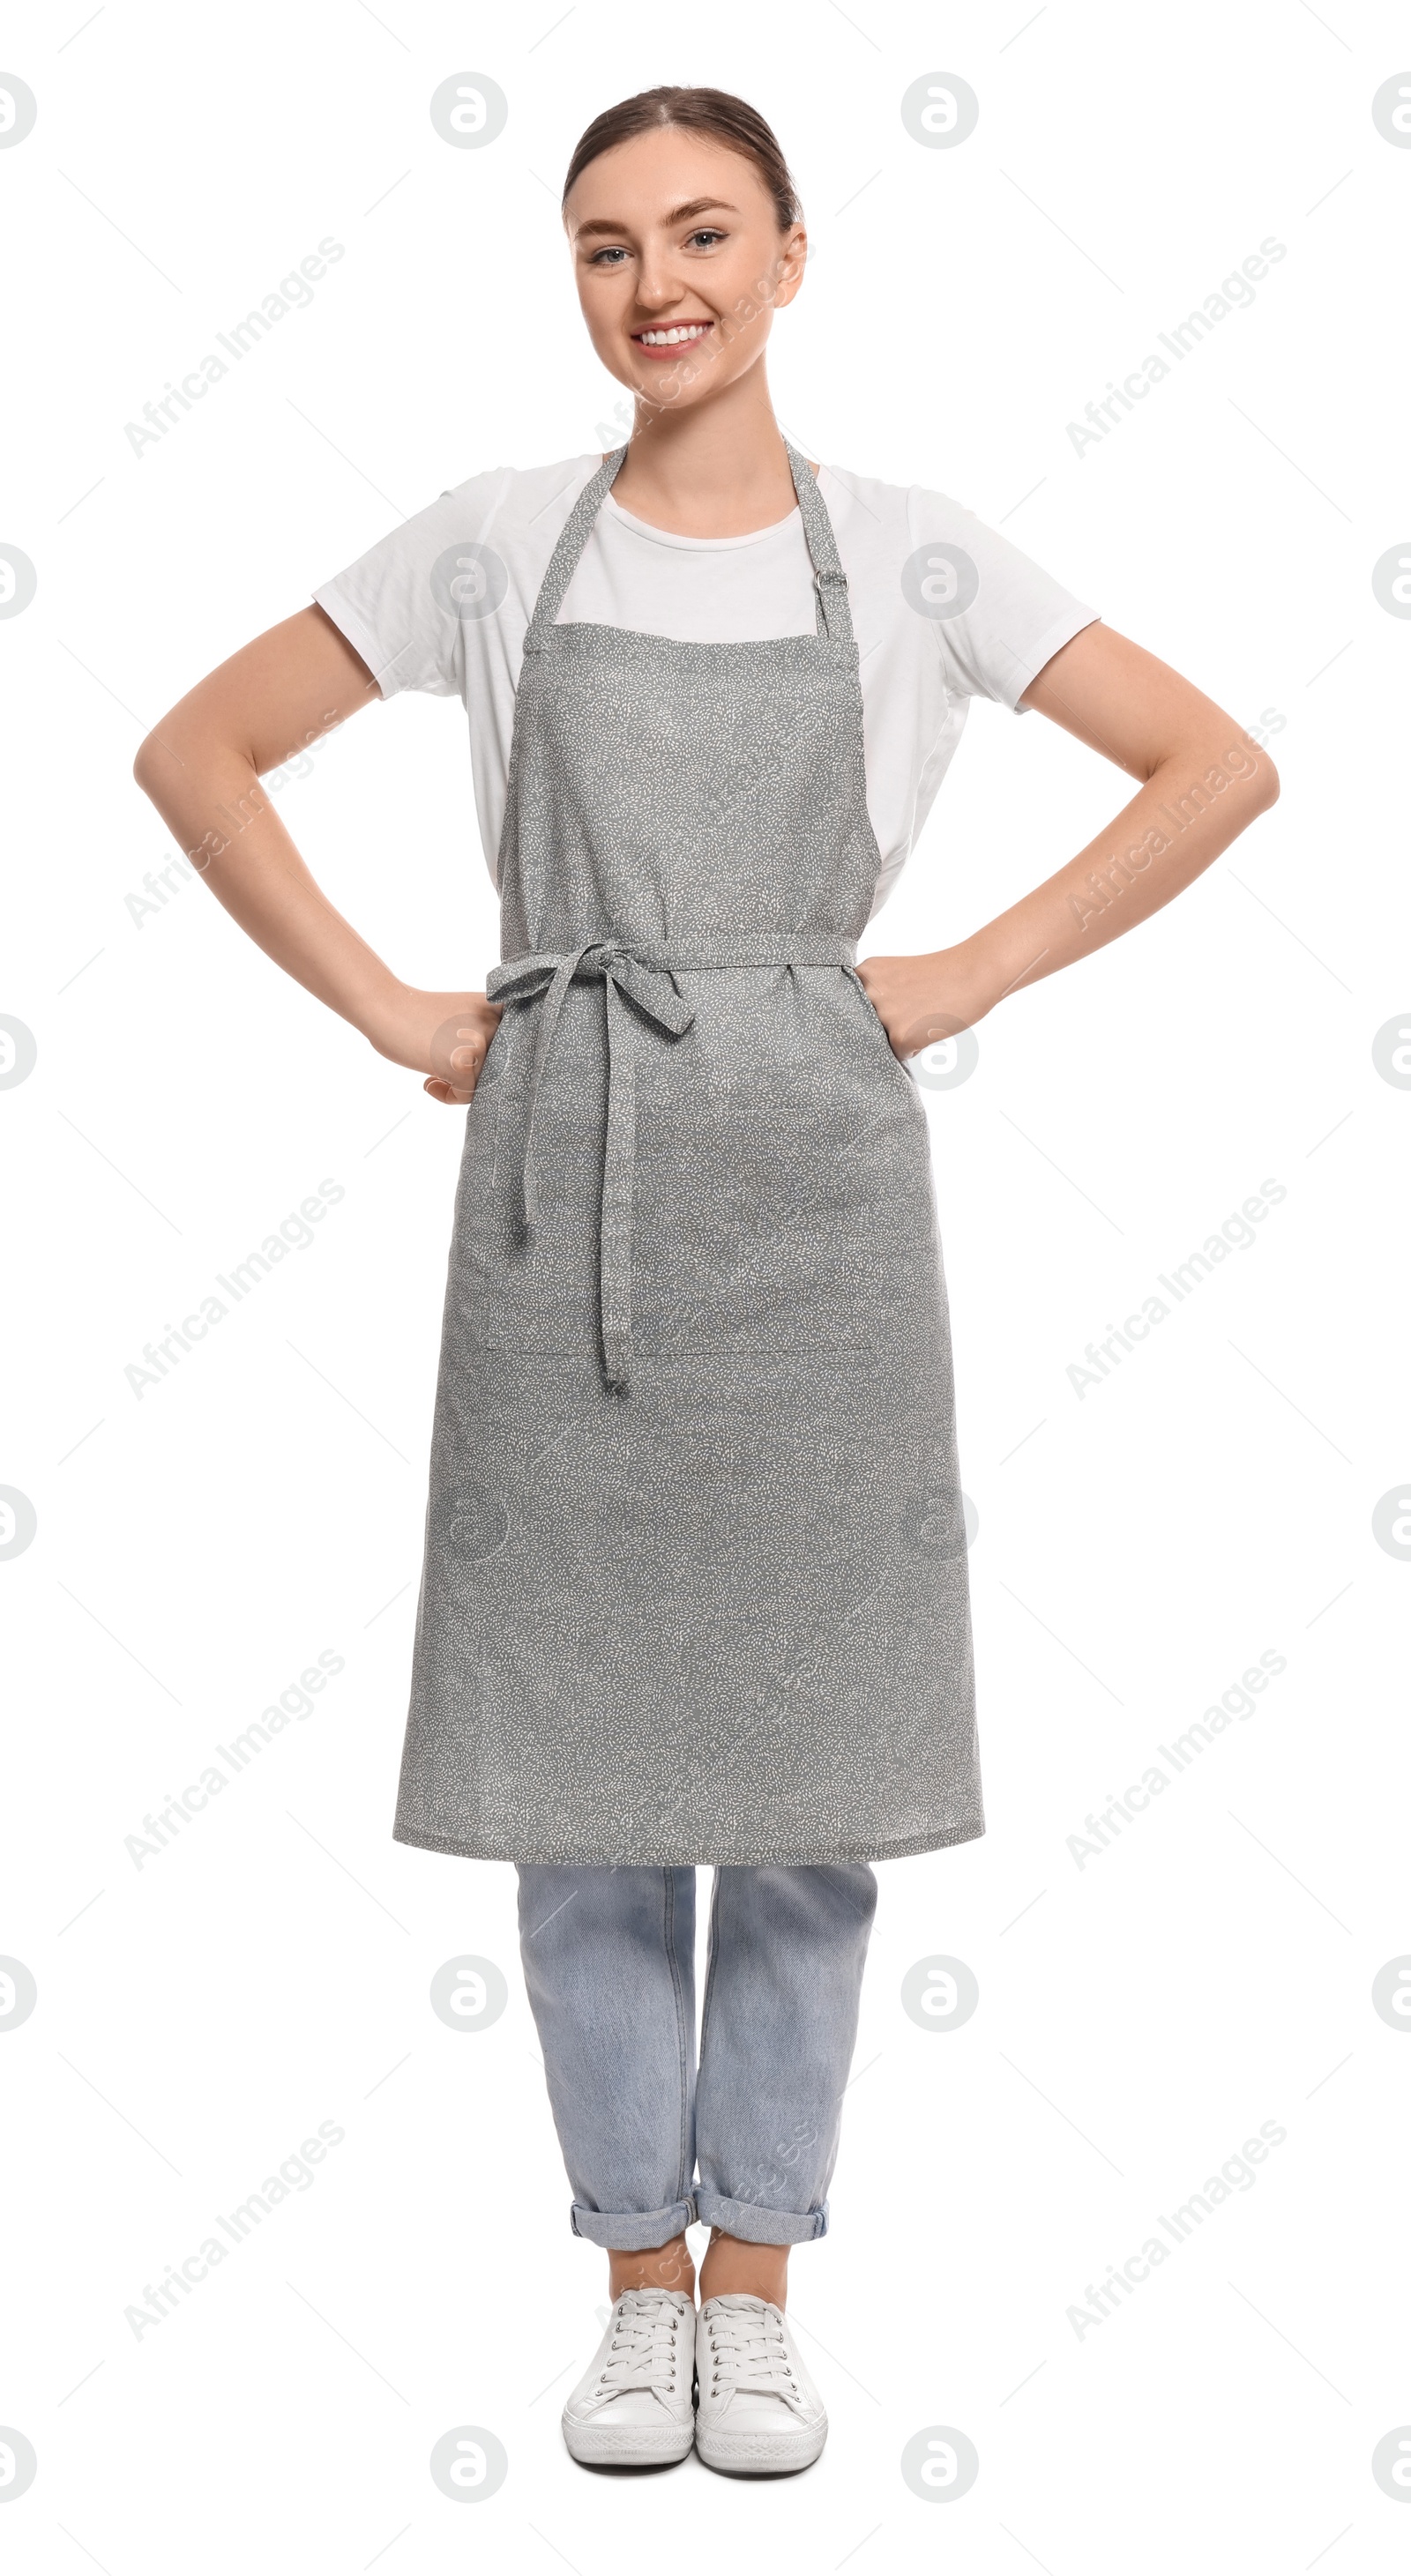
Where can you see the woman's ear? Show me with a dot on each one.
(793, 259)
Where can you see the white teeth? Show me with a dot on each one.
(669, 339)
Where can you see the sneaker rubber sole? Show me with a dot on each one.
(628, 2446)
(760, 2455)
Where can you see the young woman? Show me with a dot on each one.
(694, 1586)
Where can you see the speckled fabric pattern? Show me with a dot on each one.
(694, 1586)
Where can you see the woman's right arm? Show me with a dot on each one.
(201, 767)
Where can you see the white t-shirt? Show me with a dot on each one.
(944, 610)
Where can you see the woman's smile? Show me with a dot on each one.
(663, 339)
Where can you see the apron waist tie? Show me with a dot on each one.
(636, 980)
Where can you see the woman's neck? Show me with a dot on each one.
(716, 468)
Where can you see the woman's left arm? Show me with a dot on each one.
(1203, 781)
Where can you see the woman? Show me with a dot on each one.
(694, 1586)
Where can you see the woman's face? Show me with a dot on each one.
(674, 232)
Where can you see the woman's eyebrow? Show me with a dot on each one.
(676, 215)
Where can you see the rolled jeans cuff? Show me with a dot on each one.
(758, 2226)
(636, 2231)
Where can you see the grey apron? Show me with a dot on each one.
(694, 1586)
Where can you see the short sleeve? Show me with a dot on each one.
(392, 603)
(998, 616)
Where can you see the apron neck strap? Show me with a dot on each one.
(831, 614)
(573, 537)
(830, 582)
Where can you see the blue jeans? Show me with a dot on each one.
(610, 1966)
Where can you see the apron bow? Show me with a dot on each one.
(632, 987)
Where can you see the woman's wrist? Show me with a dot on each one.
(386, 1015)
(997, 961)
(966, 985)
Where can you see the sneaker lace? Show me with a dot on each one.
(749, 2354)
(645, 2347)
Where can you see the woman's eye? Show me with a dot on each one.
(613, 253)
(708, 234)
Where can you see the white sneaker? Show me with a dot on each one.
(632, 2407)
(759, 2414)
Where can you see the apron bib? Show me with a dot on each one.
(694, 1586)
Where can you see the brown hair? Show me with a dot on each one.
(716, 112)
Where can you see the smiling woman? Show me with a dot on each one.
(751, 267)
(694, 1587)
(679, 297)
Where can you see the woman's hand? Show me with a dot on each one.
(921, 999)
(446, 1036)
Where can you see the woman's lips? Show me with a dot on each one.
(667, 340)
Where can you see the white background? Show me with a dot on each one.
(1138, 1548)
